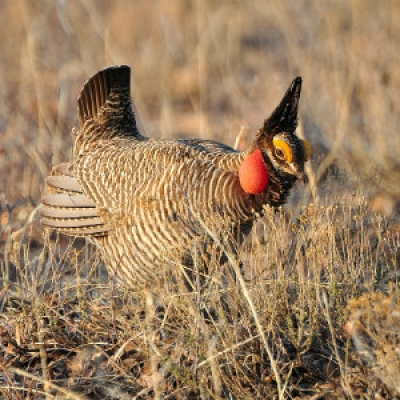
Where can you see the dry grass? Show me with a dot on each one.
(313, 311)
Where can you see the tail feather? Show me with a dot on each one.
(106, 96)
(98, 89)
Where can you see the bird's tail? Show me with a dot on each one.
(105, 98)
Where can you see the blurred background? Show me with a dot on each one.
(211, 69)
(204, 68)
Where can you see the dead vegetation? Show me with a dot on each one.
(311, 312)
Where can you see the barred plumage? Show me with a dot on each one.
(147, 202)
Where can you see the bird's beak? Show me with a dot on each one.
(299, 173)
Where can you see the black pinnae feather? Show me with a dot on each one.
(284, 117)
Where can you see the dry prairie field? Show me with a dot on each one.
(317, 313)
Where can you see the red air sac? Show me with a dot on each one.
(253, 173)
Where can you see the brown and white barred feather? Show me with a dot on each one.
(147, 202)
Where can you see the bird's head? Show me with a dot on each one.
(283, 153)
(286, 154)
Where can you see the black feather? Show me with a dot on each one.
(284, 117)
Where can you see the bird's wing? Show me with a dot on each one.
(116, 167)
(224, 157)
(121, 175)
(66, 208)
(165, 183)
(208, 145)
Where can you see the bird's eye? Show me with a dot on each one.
(282, 150)
(280, 153)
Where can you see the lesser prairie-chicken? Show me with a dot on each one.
(147, 202)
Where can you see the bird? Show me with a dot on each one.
(149, 203)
